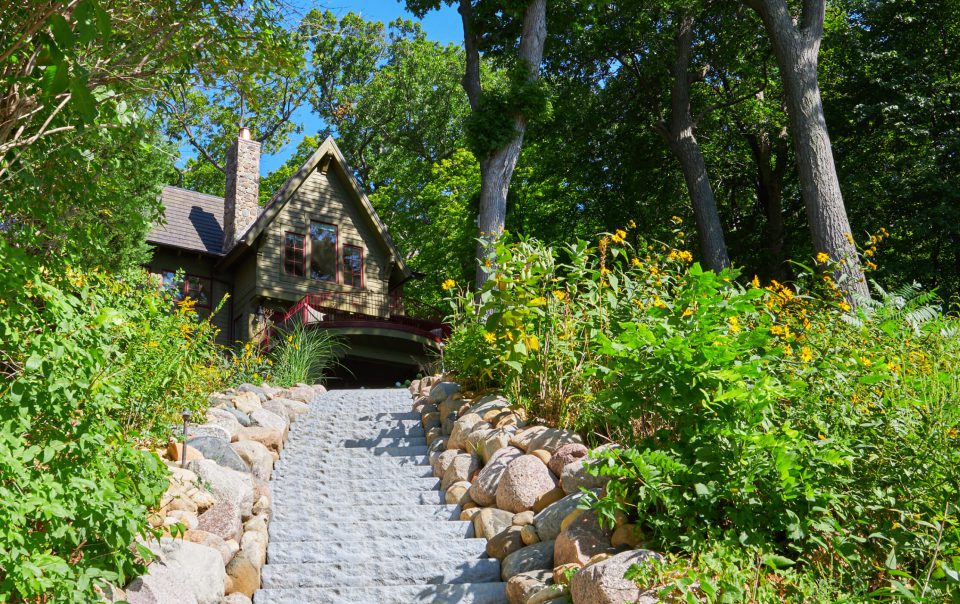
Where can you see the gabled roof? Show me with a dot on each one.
(327, 151)
(194, 222)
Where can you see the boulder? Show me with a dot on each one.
(566, 454)
(174, 449)
(554, 495)
(201, 537)
(524, 481)
(294, 408)
(483, 490)
(256, 456)
(487, 403)
(523, 519)
(627, 535)
(246, 402)
(522, 439)
(490, 522)
(186, 518)
(443, 461)
(302, 393)
(523, 586)
(461, 429)
(493, 441)
(457, 493)
(268, 437)
(269, 419)
(211, 430)
(441, 391)
(548, 520)
(450, 407)
(225, 419)
(260, 392)
(528, 534)
(278, 409)
(226, 484)
(575, 475)
(461, 469)
(184, 570)
(237, 598)
(222, 520)
(543, 455)
(603, 582)
(240, 416)
(505, 543)
(473, 443)
(538, 556)
(430, 420)
(581, 540)
(446, 427)
(244, 573)
(551, 594)
(254, 545)
(552, 439)
(218, 450)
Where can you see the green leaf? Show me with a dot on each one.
(62, 32)
(777, 562)
(83, 100)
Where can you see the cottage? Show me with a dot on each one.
(316, 252)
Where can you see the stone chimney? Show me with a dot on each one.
(241, 202)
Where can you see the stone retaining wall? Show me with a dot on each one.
(521, 486)
(223, 499)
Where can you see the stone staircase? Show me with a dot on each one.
(359, 519)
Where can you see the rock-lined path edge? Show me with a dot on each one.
(359, 519)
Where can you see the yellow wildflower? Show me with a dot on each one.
(489, 337)
(538, 301)
(866, 361)
(806, 355)
(681, 234)
(532, 342)
(290, 338)
(734, 323)
(687, 312)
(635, 262)
(756, 281)
(657, 302)
(776, 330)
(632, 224)
(871, 265)
(448, 284)
(559, 294)
(619, 236)
(849, 238)
(844, 306)
(676, 219)
(823, 258)
(788, 350)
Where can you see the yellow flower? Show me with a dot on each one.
(632, 224)
(871, 265)
(823, 258)
(845, 307)
(489, 337)
(788, 351)
(676, 219)
(866, 362)
(756, 281)
(681, 234)
(635, 262)
(806, 355)
(619, 236)
(849, 238)
(687, 312)
(448, 284)
(531, 342)
(734, 323)
(893, 367)
(776, 330)
(538, 301)
(659, 303)
(290, 338)
(488, 263)
(560, 295)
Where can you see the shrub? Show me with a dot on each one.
(302, 355)
(82, 386)
(777, 444)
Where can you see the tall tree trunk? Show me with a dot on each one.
(682, 141)
(496, 169)
(770, 156)
(797, 47)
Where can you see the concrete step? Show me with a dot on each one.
(331, 512)
(321, 435)
(347, 529)
(325, 450)
(390, 499)
(464, 593)
(326, 473)
(377, 443)
(380, 571)
(345, 461)
(322, 485)
(292, 552)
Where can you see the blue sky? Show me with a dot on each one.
(441, 25)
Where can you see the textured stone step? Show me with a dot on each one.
(391, 498)
(289, 552)
(322, 530)
(331, 512)
(326, 473)
(344, 460)
(376, 443)
(314, 423)
(468, 593)
(380, 571)
(321, 485)
(367, 453)
(354, 432)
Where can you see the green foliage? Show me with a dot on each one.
(302, 356)
(491, 125)
(777, 446)
(92, 365)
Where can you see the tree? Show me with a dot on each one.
(796, 44)
(499, 116)
(679, 133)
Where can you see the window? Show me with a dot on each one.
(172, 284)
(323, 251)
(353, 266)
(294, 254)
(199, 289)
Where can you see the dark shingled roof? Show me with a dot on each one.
(194, 221)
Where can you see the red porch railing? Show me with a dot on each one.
(364, 309)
